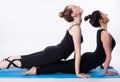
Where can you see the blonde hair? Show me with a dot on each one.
(66, 14)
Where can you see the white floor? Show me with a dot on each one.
(61, 80)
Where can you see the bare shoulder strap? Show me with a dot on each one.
(72, 26)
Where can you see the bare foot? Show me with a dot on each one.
(32, 71)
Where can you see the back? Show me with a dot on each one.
(100, 52)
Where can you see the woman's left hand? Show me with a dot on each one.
(110, 73)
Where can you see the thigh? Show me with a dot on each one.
(85, 65)
(68, 66)
(34, 59)
(38, 59)
(30, 55)
(60, 66)
(52, 68)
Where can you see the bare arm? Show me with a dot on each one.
(76, 34)
(107, 44)
(77, 40)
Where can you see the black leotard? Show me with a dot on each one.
(50, 54)
(93, 59)
(89, 60)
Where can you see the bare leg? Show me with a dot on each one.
(32, 71)
(11, 62)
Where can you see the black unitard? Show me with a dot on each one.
(50, 54)
(89, 60)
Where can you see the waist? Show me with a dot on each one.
(58, 50)
(66, 50)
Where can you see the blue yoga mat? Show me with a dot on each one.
(17, 73)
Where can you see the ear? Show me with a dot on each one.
(73, 14)
(101, 20)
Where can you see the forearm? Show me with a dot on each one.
(106, 65)
(77, 64)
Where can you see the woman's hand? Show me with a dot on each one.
(83, 75)
(110, 73)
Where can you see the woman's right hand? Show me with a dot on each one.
(83, 75)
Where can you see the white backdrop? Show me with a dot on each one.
(28, 26)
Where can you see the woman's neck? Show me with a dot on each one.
(103, 26)
(77, 21)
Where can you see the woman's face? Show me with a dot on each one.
(76, 10)
(104, 17)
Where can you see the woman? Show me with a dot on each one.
(89, 60)
(71, 42)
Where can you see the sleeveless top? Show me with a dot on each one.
(67, 45)
(99, 53)
(64, 49)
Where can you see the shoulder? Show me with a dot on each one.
(105, 35)
(75, 30)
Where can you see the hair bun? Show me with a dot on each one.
(87, 17)
(61, 14)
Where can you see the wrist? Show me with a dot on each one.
(105, 72)
(77, 74)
